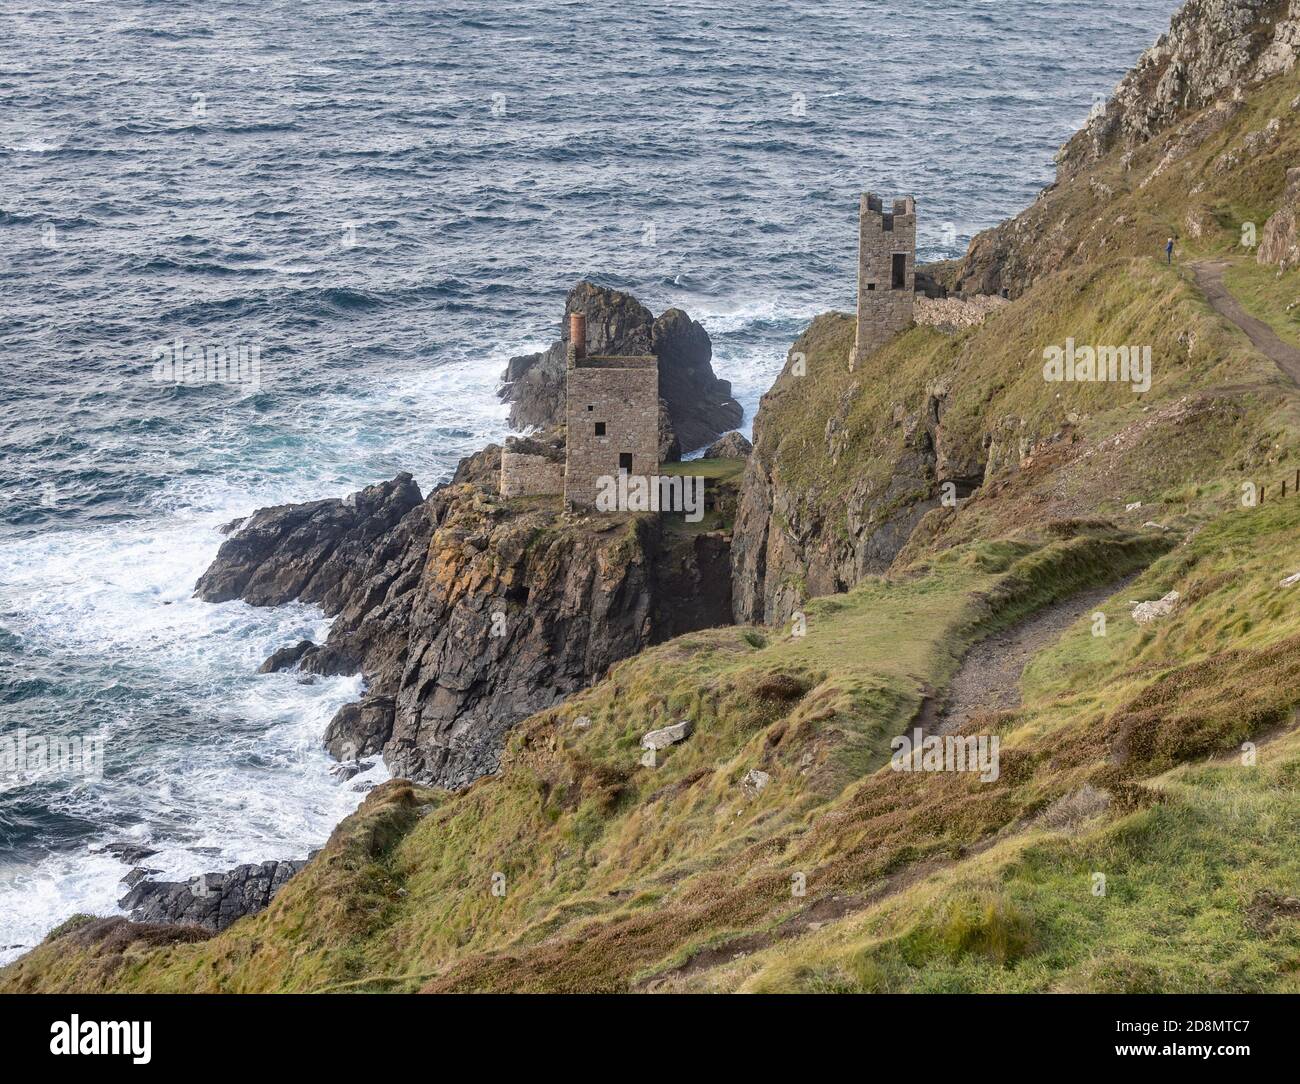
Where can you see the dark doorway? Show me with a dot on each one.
(899, 278)
(625, 462)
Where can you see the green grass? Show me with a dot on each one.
(598, 852)
(719, 470)
(1273, 297)
(1195, 859)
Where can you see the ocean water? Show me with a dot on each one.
(375, 205)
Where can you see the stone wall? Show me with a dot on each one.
(883, 308)
(525, 475)
(957, 311)
(622, 395)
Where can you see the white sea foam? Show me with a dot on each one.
(240, 776)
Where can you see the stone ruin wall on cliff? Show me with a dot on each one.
(524, 475)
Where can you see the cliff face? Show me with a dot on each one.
(697, 405)
(516, 611)
(1211, 46)
(465, 613)
(1214, 51)
(823, 505)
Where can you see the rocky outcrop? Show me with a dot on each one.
(286, 658)
(310, 552)
(1279, 243)
(467, 615)
(483, 468)
(516, 611)
(732, 445)
(213, 900)
(1211, 46)
(361, 729)
(698, 404)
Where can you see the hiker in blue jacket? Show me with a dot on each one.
(1169, 251)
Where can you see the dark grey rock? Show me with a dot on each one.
(131, 853)
(213, 900)
(483, 468)
(361, 729)
(731, 445)
(286, 658)
(309, 552)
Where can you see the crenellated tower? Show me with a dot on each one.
(886, 272)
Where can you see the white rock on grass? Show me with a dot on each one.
(1145, 612)
(661, 739)
(755, 780)
(669, 735)
(1290, 580)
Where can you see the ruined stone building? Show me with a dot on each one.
(886, 272)
(611, 422)
(611, 417)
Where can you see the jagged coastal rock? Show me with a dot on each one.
(466, 615)
(309, 552)
(697, 402)
(730, 446)
(1211, 46)
(212, 901)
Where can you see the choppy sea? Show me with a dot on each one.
(374, 205)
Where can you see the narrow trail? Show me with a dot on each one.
(1209, 277)
(989, 678)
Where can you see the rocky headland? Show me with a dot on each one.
(466, 612)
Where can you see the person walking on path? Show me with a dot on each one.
(1169, 251)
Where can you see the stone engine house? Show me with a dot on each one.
(886, 272)
(611, 417)
(611, 421)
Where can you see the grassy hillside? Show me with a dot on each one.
(613, 871)
(1199, 181)
(1200, 876)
